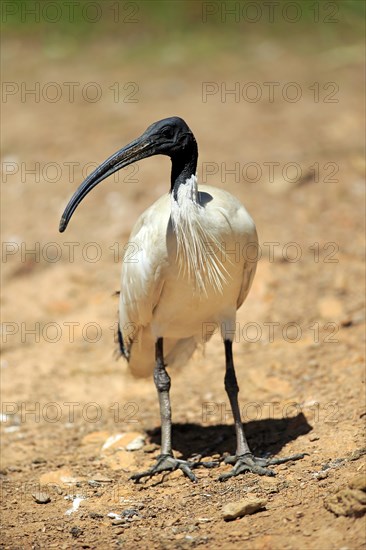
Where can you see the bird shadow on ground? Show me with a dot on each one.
(267, 436)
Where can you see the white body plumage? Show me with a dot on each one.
(186, 273)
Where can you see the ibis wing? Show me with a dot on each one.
(250, 254)
(143, 266)
(248, 276)
(141, 286)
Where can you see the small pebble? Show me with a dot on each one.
(95, 515)
(41, 498)
(94, 483)
(113, 515)
(76, 531)
(120, 531)
(136, 444)
(151, 448)
(321, 475)
(130, 512)
(39, 460)
(121, 521)
(243, 507)
(99, 478)
(203, 520)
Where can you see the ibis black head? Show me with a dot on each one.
(170, 136)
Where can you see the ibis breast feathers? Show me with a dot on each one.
(188, 255)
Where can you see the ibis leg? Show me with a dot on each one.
(243, 460)
(162, 383)
(166, 461)
(232, 390)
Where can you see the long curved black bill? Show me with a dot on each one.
(136, 150)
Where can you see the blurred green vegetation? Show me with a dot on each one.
(200, 26)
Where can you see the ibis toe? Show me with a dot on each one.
(166, 463)
(250, 463)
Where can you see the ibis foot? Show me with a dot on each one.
(250, 463)
(166, 463)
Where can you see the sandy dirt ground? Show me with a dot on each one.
(71, 412)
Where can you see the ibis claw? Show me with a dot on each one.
(166, 463)
(250, 463)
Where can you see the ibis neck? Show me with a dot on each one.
(183, 167)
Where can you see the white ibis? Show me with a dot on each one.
(185, 280)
